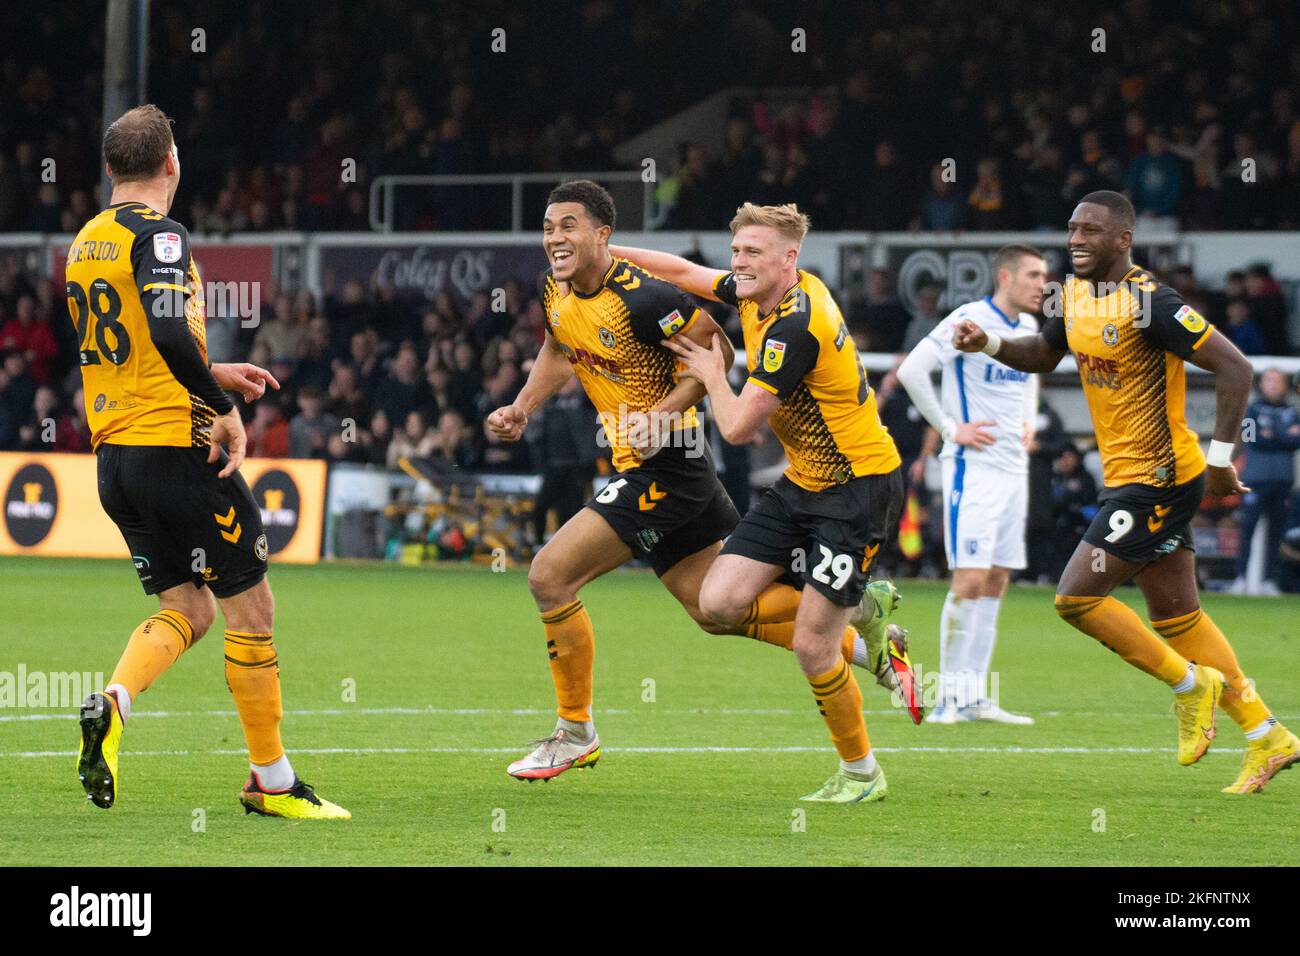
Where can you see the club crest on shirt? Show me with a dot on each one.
(1191, 320)
(672, 323)
(1110, 334)
(773, 355)
(606, 337)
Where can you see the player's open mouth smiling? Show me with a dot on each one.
(1080, 257)
(561, 255)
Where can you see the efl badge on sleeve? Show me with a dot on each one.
(1192, 320)
(773, 355)
(672, 323)
(167, 246)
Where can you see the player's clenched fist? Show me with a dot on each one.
(508, 422)
(969, 337)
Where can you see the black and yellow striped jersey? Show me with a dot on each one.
(802, 353)
(1130, 342)
(614, 338)
(133, 292)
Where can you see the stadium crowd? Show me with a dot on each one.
(1033, 112)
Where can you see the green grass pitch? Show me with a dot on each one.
(451, 683)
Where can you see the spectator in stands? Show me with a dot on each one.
(1289, 562)
(268, 433)
(314, 364)
(414, 440)
(455, 445)
(988, 209)
(1270, 437)
(73, 433)
(1045, 207)
(879, 322)
(887, 192)
(466, 379)
(40, 431)
(17, 391)
(402, 390)
(1074, 498)
(1267, 308)
(563, 440)
(375, 439)
(1047, 445)
(29, 332)
(944, 208)
(279, 331)
(1154, 180)
(346, 400)
(311, 427)
(693, 207)
(925, 316)
(364, 352)
(1241, 329)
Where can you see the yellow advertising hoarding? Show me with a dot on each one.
(51, 506)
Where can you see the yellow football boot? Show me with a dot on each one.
(1195, 711)
(299, 802)
(1265, 758)
(101, 736)
(847, 788)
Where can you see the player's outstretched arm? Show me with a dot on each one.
(690, 276)
(1028, 353)
(245, 378)
(739, 417)
(1233, 377)
(914, 375)
(549, 373)
(688, 390)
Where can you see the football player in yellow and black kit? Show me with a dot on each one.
(607, 320)
(158, 415)
(840, 497)
(1130, 335)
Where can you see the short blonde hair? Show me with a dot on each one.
(785, 219)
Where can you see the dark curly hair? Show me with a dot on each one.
(594, 197)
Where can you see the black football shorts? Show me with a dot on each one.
(669, 506)
(826, 539)
(1142, 523)
(181, 522)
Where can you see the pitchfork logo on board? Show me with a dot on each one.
(277, 495)
(31, 503)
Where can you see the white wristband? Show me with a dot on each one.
(994, 343)
(948, 430)
(1220, 454)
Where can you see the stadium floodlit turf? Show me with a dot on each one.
(709, 741)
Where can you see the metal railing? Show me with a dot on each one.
(382, 190)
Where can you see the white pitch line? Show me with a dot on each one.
(540, 712)
(635, 750)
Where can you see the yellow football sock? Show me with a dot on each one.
(154, 646)
(1117, 627)
(571, 643)
(253, 676)
(840, 702)
(781, 634)
(1199, 639)
(776, 604)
